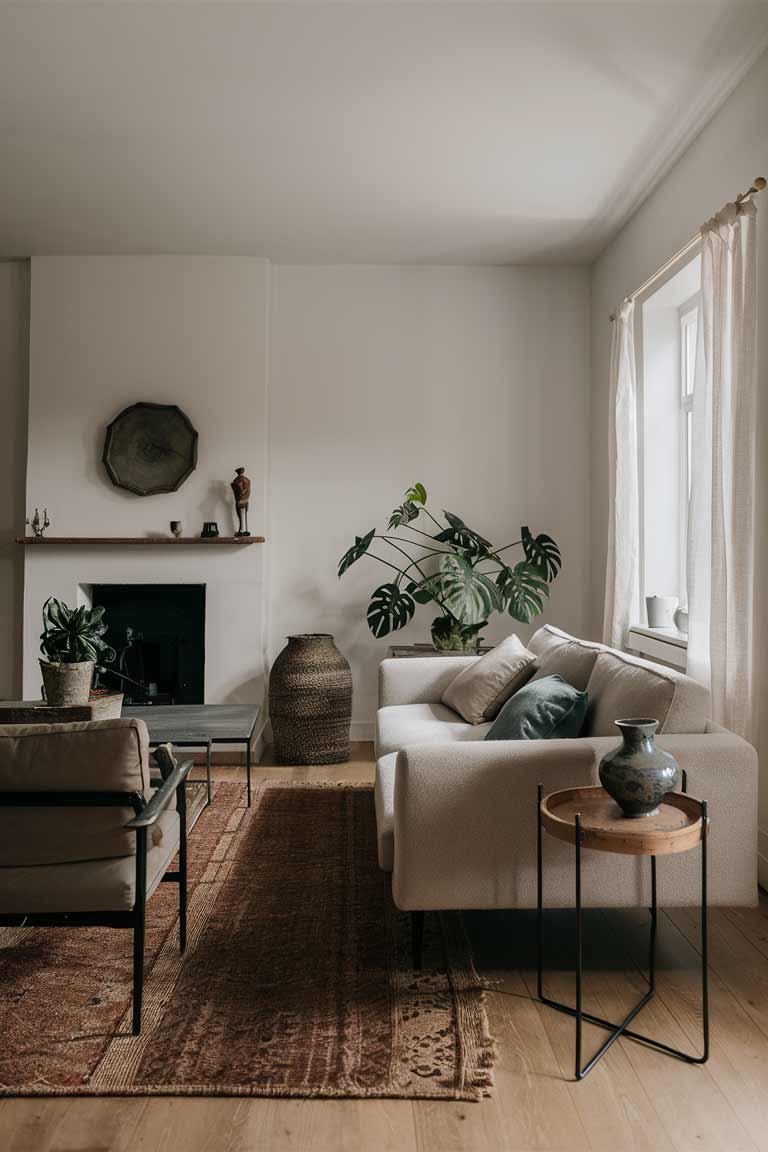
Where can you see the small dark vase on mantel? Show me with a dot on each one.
(637, 774)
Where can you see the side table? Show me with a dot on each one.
(589, 818)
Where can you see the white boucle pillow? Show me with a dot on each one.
(479, 692)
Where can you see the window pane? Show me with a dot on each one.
(690, 326)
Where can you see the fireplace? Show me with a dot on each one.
(158, 632)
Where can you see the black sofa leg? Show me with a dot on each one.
(417, 938)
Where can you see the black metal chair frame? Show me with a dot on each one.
(147, 813)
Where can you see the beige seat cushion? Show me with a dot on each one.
(384, 799)
(558, 654)
(622, 686)
(479, 692)
(97, 756)
(403, 724)
(88, 885)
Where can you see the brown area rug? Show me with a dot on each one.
(297, 980)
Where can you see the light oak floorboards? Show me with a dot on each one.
(635, 1100)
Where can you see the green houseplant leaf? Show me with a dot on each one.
(390, 608)
(542, 552)
(470, 595)
(403, 515)
(416, 495)
(71, 636)
(460, 536)
(523, 590)
(358, 549)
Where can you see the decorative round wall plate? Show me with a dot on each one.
(150, 448)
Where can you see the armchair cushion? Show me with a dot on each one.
(479, 692)
(107, 885)
(96, 756)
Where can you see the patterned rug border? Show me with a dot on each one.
(468, 994)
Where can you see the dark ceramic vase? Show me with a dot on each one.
(637, 774)
(310, 702)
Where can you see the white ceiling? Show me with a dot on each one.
(382, 132)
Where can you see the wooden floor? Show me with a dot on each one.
(634, 1099)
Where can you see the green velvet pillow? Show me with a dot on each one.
(545, 709)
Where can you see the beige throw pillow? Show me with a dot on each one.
(479, 691)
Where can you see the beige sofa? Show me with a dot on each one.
(456, 815)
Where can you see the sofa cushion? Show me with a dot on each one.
(559, 654)
(403, 724)
(384, 799)
(623, 686)
(546, 709)
(480, 690)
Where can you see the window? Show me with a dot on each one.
(689, 327)
(666, 378)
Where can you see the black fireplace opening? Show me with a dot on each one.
(158, 633)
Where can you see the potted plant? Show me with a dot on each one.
(455, 568)
(72, 644)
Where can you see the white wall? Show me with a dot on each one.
(14, 346)
(724, 160)
(190, 330)
(471, 380)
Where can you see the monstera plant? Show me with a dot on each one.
(455, 568)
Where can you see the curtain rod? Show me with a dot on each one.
(758, 186)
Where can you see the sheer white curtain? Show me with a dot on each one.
(622, 573)
(721, 523)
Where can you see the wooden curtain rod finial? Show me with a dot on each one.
(760, 183)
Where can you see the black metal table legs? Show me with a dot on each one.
(621, 1029)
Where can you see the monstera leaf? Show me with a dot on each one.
(523, 590)
(358, 549)
(416, 495)
(424, 592)
(468, 594)
(403, 515)
(542, 552)
(390, 608)
(460, 536)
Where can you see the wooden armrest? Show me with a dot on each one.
(161, 798)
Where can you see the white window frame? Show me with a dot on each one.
(688, 321)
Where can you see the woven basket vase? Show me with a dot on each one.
(310, 702)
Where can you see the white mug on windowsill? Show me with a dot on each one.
(661, 611)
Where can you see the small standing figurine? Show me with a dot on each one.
(241, 486)
(39, 524)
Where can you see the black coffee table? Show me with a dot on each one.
(201, 726)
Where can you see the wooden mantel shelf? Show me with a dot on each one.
(141, 541)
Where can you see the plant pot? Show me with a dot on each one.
(65, 684)
(106, 705)
(310, 701)
(459, 638)
(637, 774)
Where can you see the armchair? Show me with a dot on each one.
(84, 838)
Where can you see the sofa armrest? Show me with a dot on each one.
(418, 680)
(465, 825)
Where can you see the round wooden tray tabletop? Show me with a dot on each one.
(675, 828)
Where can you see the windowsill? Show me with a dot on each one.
(668, 645)
(664, 635)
